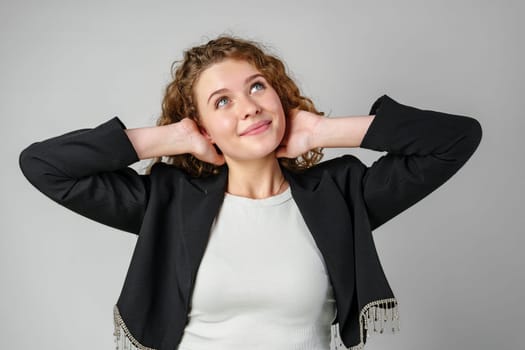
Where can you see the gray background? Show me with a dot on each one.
(454, 260)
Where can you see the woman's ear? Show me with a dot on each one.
(205, 134)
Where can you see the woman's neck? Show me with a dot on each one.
(255, 179)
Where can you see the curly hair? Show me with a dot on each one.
(179, 99)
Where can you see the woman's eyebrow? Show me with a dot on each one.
(245, 81)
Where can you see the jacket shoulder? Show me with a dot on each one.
(170, 176)
(342, 170)
(340, 165)
(164, 173)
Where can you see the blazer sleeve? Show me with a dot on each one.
(424, 149)
(88, 172)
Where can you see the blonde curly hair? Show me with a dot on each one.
(179, 99)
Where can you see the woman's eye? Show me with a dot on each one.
(258, 83)
(218, 103)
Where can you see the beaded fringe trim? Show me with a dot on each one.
(376, 316)
(123, 338)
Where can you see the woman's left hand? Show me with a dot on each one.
(300, 134)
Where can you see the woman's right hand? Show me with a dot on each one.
(172, 139)
(198, 144)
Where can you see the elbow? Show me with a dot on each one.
(469, 142)
(27, 164)
(473, 136)
(477, 132)
(464, 142)
(39, 172)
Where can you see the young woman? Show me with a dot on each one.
(245, 240)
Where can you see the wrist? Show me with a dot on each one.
(183, 134)
(319, 131)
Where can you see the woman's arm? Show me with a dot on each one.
(342, 131)
(88, 170)
(306, 130)
(177, 138)
(424, 149)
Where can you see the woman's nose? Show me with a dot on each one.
(249, 107)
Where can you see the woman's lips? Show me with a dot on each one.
(257, 128)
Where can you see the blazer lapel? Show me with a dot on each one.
(326, 214)
(200, 203)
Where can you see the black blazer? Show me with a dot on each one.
(342, 201)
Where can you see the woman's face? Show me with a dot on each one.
(239, 110)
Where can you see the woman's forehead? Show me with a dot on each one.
(229, 70)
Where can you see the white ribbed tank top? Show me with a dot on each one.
(262, 282)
